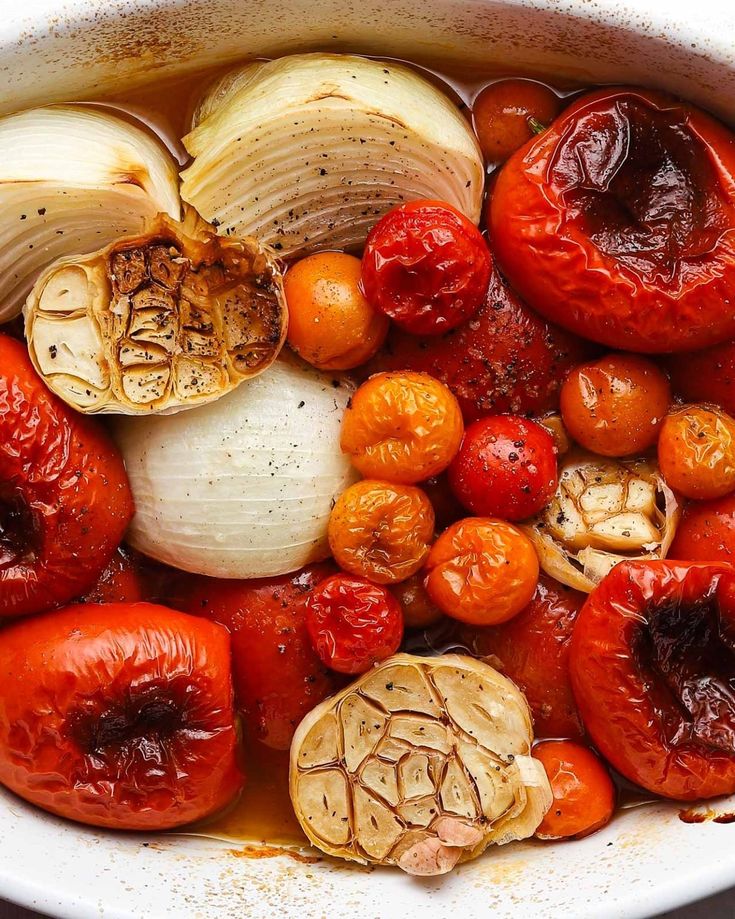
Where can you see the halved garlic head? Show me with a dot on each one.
(421, 763)
(308, 151)
(72, 179)
(604, 511)
(156, 323)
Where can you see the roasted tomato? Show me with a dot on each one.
(123, 581)
(426, 266)
(696, 451)
(118, 715)
(705, 376)
(533, 650)
(505, 359)
(617, 222)
(507, 113)
(278, 676)
(419, 611)
(652, 664)
(706, 532)
(584, 794)
(64, 495)
(506, 467)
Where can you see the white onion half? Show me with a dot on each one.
(308, 151)
(242, 487)
(72, 179)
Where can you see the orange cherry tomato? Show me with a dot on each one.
(330, 323)
(583, 792)
(381, 531)
(615, 406)
(508, 113)
(706, 532)
(419, 612)
(482, 571)
(696, 451)
(402, 427)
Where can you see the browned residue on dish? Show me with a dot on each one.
(273, 852)
(705, 816)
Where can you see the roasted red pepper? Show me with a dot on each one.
(618, 222)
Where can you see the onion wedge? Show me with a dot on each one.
(73, 179)
(309, 151)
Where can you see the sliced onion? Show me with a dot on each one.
(71, 180)
(604, 512)
(242, 487)
(308, 151)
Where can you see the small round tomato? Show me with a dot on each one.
(506, 467)
(447, 508)
(402, 427)
(533, 650)
(508, 113)
(583, 792)
(352, 623)
(121, 582)
(705, 376)
(119, 715)
(481, 571)
(706, 532)
(426, 266)
(615, 406)
(506, 358)
(418, 610)
(381, 531)
(652, 664)
(330, 323)
(65, 501)
(617, 222)
(696, 452)
(278, 676)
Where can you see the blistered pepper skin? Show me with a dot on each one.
(118, 715)
(64, 495)
(652, 657)
(618, 222)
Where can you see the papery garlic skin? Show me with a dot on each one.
(604, 511)
(73, 178)
(242, 487)
(421, 763)
(307, 152)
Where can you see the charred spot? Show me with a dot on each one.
(19, 533)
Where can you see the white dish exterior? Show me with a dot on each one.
(647, 860)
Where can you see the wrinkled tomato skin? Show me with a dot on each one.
(706, 532)
(623, 696)
(618, 222)
(64, 496)
(277, 674)
(533, 650)
(506, 358)
(119, 715)
(122, 581)
(705, 376)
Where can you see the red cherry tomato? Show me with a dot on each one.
(533, 650)
(426, 266)
(705, 376)
(652, 664)
(506, 467)
(352, 623)
(64, 496)
(504, 359)
(507, 113)
(617, 222)
(278, 676)
(584, 794)
(706, 532)
(123, 581)
(118, 715)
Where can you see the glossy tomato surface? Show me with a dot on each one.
(118, 715)
(618, 222)
(64, 496)
(652, 665)
(506, 358)
(706, 532)
(507, 113)
(277, 674)
(123, 580)
(533, 650)
(705, 376)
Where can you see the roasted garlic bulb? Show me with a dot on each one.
(604, 512)
(156, 323)
(421, 763)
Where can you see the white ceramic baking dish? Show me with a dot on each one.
(647, 860)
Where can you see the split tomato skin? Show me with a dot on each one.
(652, 658)
(119, 715)
(65, 501)
(277, 674)
(618, 222)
